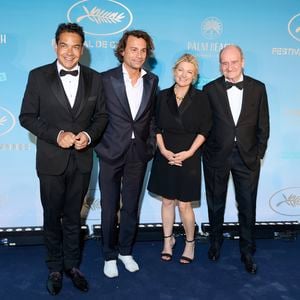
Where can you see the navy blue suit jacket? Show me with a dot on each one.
(117, 136)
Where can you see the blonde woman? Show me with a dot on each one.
(183, 122)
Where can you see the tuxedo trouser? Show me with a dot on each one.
(123, 179)
(245, 186)
(62, 198)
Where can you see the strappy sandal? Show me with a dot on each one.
(184, 260)
(168, 256)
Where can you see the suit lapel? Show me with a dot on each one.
(171, 101)
(246, 99)
(58, 90)
(83, 87)
(224, 98)
(146, 97)
(57, 87)
(118, 85)
(187, 101)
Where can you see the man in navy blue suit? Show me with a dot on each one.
(127, 145)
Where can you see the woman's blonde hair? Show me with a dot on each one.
(190, 59)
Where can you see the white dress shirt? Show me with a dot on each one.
(235, 97)
(134, 92)
(70, 83)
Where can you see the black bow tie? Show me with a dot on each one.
(64, 72)
(239, 85)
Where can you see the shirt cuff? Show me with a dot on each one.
(62, 131)
(89, 138)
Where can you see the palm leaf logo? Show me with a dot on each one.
(3, 120)
(213, 26)
(99, 16)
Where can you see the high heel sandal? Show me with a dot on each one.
(184, 259)
(168, 256)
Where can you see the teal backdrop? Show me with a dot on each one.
(268, 31)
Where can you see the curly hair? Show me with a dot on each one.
(138, 34)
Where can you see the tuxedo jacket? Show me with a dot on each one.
(251, 130)
(117, 136)
(46, 111)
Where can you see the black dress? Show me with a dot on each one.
(179, 127)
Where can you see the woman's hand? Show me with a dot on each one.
(169, 155)
(180, 157)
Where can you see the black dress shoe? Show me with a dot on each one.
(54, 283)
(250, 266)
(78, 279)
(214, 253)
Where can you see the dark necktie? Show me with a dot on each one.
(64, 72)
(239, 85)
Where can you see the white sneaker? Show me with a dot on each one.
(129, 263)
(110, 268)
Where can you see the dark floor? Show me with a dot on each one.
(23, 274)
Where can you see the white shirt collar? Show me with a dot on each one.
(125, 72)
(61, 67)
(240, 79)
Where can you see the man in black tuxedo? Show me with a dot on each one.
(236, 145)
(64, 107)
(127, 145)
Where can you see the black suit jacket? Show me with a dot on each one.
(46, 111)
(117, 136)
(251, 131)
